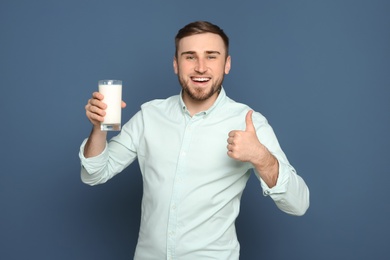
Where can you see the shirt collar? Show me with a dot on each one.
(220, 98)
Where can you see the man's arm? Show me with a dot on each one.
(245, 146)
(95, 112)
(278, 179)
(96, 142)
(93, 158)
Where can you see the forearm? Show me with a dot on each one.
(106, 159)
(96, 142)
(267, 167)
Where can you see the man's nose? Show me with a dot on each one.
(201, 66)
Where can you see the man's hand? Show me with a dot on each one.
(95, 109)
(245, 146)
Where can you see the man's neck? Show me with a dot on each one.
(196, 106)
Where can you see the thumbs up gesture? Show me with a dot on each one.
(244, 145)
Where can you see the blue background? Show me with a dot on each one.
(318, 70)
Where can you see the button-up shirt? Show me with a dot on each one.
(191, 187)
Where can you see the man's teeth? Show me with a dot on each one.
(200, 79)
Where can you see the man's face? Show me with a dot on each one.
(200, 64)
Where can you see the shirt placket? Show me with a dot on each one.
(177, 186)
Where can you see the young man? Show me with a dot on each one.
(196, 151)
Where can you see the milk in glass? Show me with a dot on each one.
(112, 91)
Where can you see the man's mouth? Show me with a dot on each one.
(200, 79)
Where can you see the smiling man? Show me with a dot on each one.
(196, 151)
(201, 61)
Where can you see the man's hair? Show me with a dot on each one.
(200, 27)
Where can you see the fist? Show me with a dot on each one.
(244, 145)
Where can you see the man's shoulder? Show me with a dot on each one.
(161, 103)
(233, 107)
(237, 109)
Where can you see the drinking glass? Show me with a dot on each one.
(112, 91)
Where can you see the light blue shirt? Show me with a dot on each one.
(191, 187)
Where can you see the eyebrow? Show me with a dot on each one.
(193, 52)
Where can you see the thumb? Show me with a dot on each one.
(249, 123)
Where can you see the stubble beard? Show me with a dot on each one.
(198, 93)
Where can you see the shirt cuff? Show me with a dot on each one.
(281, 183)
(92, 164)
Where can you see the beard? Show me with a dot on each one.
(199, 93)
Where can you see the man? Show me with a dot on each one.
(196, 151)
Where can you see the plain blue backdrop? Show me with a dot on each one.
(318, 70)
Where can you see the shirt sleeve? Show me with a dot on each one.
(290, 193)
(119, 153)
(91, 168)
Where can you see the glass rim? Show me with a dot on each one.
(109, 82)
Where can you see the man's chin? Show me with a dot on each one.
(201, 93)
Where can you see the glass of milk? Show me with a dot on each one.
(112, 91)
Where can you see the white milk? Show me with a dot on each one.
(113, 99)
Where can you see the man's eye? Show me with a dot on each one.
(212, 57)
(190, 57)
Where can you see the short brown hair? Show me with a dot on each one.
(200, 27)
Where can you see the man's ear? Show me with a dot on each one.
(228, 64)
(175, 65)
